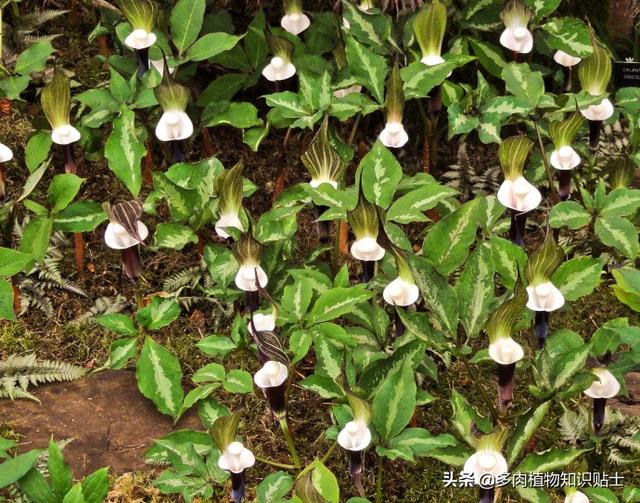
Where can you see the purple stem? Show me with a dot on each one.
(541, 327)
(505, 384)
(238, 484)
(599, 405)
(143, 61)
(69, 159)
(131, 262)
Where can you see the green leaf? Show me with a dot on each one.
(6, 300)
(80, 216)
(508, 259)
(542, 8)
(274, 487)
(195, 395)
(35, 237)
(381, 173)
(159, 313)
(419, 442)
(121, 351)
(337, 302)
(59, 471)
(570, 35)
(619, 233)
(36, 487)
(37, 150)
(600, 495)
(325, 482)
(239, 115)
(33, 180)
(464, 415)
(395, 401)
(34, 58)
(297, 297)
(475, 290)
(116, 322)
(489, 55)
(95, 486)
(525, 429)
(124, 151)
(439, 296)
(255, 42)
(578, 277)
(174, 236)
(533, 495)
(12, 261)
(568, 214)
(119, 87)
(368, 68)
(448, 242)
(62, 189)
(210, 372)
(523, 83)
(159, 377)
(186, 22)
(211, 45)
(420, 80)
(75, 495)
(14, 468)
(567, 365)
(409, 208)
(13, 87)
(620, 203)
(238, 381)
(549, 460)
(216, 345)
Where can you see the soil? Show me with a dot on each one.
(109, 422)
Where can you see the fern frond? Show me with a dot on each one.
(17, 372)
(188, 277)
(102, 305)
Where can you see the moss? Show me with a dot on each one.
(16, 338)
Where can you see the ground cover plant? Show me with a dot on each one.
(380, 250)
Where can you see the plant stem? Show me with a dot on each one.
(552, 186)
(327, 454)
(290, 443)
(379, 481)
(354, 129)
(476, 382)
(275, 463)
(78, 239)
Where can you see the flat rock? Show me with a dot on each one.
(112, 423)
(630, 406)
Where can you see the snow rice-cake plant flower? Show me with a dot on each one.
(174, 124)
(294, 20)
(394, 135)
(503, 350)
(326, 167)
(429, 27)
(271, 378)
(261, 322)
(516, 193)
(543, 296)
(567, 61)
(125, 232)
(364, 223)
(594, 73)
(564, 157)
(402, 291)
(56, 105)
(141, 15)
(603, 387)
(250, 276)
(572, 495)
(516, 35)
(280, 66)
(487, 464)
(355, 437)
(229, 184)
(235, 457)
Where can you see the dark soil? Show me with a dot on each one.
(109, 422)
